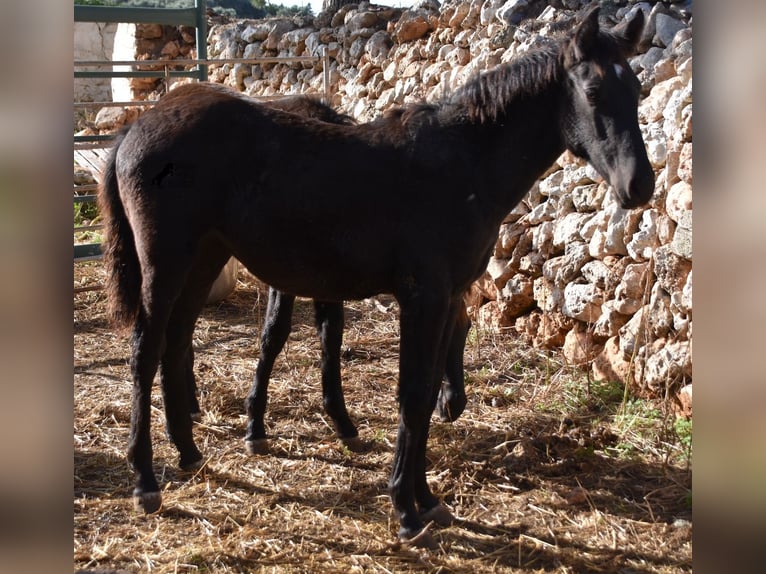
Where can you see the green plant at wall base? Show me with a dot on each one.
(683, 432)
(85, 213)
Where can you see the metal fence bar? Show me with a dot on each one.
(87, 252)
(133, 104)
(193, 62)
(86, 187)
(94, 138)
(134, 15)
(201, 25)
(326, 74)
(83, 228)
(138, 74)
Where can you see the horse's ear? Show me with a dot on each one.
(585, 35)
(629, 30)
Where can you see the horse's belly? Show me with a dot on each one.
(319, 270)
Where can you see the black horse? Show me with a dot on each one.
(329, 322)
(413, 209)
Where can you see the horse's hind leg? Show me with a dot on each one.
(147, 348)
(177, 363)
(329, 322)
(452, 397)
(276, 329)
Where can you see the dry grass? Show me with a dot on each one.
(535, 471)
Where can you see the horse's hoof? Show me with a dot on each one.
(450, 410)
(422, 539)
(147, 502)
(439, 515)
(354, 444)
(193, 466)
(257, 446)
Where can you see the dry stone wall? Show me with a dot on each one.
(571, 269)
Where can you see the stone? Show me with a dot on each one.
(390, 71)
(488, 11)
(542, 239)
(550, 186)
(582, 302)
(567, 229)
(110, 118)
(660, 317)
(256, 32)
(651, 108)
(508, 238)
(682, 238)
(596, 272)
(633, 334)
(277, 30)
(670, 269)
(678, 200)
(460, 12)
(587, 198)
(684, 398)
(516, 298)
(413, 24)
(611, 365)
(551, 330)
(545, 211)
(656, 143)
(576, 255)
(685, 164)
(548, 296)
(609, 322)
(500, 270)
(667, 26)
(580, 347)
(356, 21)
(643, 243)
(669, 367)
(378, 47)
(631, 290)
(512, 11)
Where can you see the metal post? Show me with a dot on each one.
(326, 75)
(201, 38)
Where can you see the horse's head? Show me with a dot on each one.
(600, 119)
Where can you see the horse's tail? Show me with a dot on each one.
(123, 270)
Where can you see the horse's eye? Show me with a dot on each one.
(591, 93)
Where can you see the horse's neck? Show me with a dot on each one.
(527, 141)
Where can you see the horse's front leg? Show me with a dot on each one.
(424, 320)
(329, 323)
(452, 397)
(276, 330)
(195, 410)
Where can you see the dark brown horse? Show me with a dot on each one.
(329, 323)
(413, 209)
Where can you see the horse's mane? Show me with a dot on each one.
(487, 96)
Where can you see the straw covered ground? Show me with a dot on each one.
(545, 471)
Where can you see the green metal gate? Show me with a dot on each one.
(193, 16)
